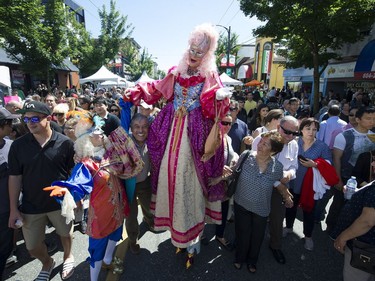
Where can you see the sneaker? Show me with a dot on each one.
(11, 260)
(309, 244)
(287, 231)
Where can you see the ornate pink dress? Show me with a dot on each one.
(183, 202)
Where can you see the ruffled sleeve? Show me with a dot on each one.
(208, 98)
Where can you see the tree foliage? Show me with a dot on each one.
(311, 30)
(137, 63)
(37, 36)
(222, 48)
(114, 28)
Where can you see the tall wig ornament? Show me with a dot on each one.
(204, 36)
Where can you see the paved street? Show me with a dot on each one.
(158, 261)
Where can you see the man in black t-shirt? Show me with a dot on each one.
(35, 161)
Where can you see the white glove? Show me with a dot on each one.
(67, 207)
(223, 93)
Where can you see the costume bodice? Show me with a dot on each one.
(187, 92)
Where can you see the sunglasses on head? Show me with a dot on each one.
(33, 119)
(287, 132)
(225, 123)
(233, 108)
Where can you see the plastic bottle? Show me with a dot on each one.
(351, 186)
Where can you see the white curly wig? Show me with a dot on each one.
(83, 146)
(202, 34)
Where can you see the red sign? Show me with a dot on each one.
(369, 75)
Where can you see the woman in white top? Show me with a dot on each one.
(271, 121)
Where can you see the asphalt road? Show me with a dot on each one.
(158, 261)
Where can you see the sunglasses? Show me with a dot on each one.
(33, 119)
(225, 123)
(114, 110)
(287, 132)
(351, 115)
(196, 53)
(58, 114)
(233, 108)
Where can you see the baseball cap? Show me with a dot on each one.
(35, 106)
(6, 115)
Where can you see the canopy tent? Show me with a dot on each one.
(5, 76)
(144, 78)
(121, 83)
(103, 74)
(226, 80)
(253, 83)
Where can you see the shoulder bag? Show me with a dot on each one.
(363, 256)
(236, 174)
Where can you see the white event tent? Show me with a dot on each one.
(226, 80)
(103, 75)
(144, 78)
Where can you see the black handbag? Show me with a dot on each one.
(363, 256)
(236, 174)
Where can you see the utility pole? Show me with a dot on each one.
(228, 46)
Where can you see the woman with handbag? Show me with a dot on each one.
(260, 173)
(354, 235)
(230, 158)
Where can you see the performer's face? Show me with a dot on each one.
(140, 130)
(96, 139)
(196, 55)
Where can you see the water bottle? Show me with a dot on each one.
(351, 186)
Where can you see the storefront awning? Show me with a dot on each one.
(245, 72)
(365, 66)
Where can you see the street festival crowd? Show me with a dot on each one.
(189, 152)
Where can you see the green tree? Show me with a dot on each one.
(222, 48)
(138, 64)
(312, 31)
(114, 29)
(37, 36)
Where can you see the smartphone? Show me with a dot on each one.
(300, 157)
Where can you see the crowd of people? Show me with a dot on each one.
(173, 146)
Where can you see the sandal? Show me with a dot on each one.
(45, 275)
(224, 243)
(252, 268)
(180, 250)
(189, 260)
(68, 269)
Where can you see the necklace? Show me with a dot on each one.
(191, 72)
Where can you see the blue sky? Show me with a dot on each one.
(163, 27)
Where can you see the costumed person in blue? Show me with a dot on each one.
(182, 160)
(103, 161)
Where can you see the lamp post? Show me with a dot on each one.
(228, 45)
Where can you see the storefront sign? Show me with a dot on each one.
(367, 87)
(342, 70)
